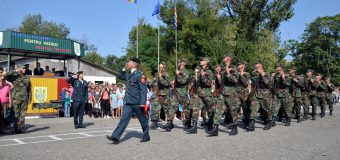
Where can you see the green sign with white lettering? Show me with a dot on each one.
(22, 41)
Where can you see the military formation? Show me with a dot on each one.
(229, 91)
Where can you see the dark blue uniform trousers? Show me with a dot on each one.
(78, 112)
(125, 119)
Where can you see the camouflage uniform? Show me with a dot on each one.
(329, 90)
(305, 96)
(20, 99)
(284, 100)
(156, 107)
(312, 87)
(260, 99)
(243, 94)
(229, 98)
(296, 87)
(321, 89)
(180, 95)
(202, 99)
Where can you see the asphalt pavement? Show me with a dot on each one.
(56, 139)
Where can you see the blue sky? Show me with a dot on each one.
(106, 23)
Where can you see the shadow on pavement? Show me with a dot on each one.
(131, 134)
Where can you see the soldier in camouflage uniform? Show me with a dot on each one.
(274, 99)
(20, 98)
(204, 81)
(321, 88)
(163, 93)
(329, 91)
(180, 92)
(282, 84)
(260, 96)
(305, 96)
(243, 90)
(228, 98)
(295, 92)
(312, 86)
(156, 107)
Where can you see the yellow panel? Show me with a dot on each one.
(39, 87)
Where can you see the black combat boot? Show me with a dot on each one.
(313, 117)
(193, 129)
(268, 124)
(204, 122)
(154, 125)
(331, 112)
(187, 124)
(210, 122)
(170, 126)
(246, 123)
(298, 119)
(287, 121)
(234, 130)
(213, 131)
(273, 122)
(165, 126)
(251, 126)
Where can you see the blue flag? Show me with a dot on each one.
(157, 9)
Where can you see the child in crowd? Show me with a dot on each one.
(114, 104)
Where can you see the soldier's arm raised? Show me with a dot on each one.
(183, 77)
(122, 75)
(165, 80)
(265, 79)
(208, 78)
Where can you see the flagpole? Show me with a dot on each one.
(137, 30)
(158, 45)
(176, 34)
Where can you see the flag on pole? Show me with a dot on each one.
(157, 9)
(133, 1)
(175, 18)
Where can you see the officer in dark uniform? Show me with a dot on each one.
(135, 98)
(79, 98)
(28, 72)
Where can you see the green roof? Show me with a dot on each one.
(21, 44)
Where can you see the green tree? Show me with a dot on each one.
(320, 47)
(94, 57)
(35, 24)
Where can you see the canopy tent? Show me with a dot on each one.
(29, 45)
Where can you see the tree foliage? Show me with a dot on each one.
(320, 47)
(35, 24)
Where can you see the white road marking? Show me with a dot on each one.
(19, 141)
(56, 137)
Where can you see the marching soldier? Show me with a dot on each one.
(228, 98)
(244, 87)
(260, 97)
(312, 87)
(321, 89)
(180, 94)
(204, 81)
(21, 97)
(156, 107)
(296, 93)
(163, 94)
(282, 84)
(329, 90)
(305, 96)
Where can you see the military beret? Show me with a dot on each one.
(80, 72)
(243, 62)
(227, 55)
(310, 70)
(183, 60)
(162, 62)
(218, 65)
(198, 67)
(205, 59)
(134, 59)
(279, 65)
(292, 68)
(319, 74)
